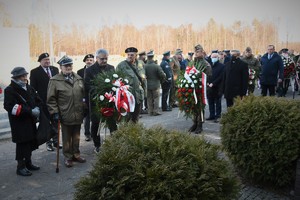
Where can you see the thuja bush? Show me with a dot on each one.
(140, 163)
(261, 136)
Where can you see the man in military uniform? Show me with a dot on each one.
(134, 71)
(142, 57)
(254, 66)
(89, 61)
(166, 86)
(155, 76)
(202, 66)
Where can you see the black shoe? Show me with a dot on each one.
(24, 172)
(210, 118)
(32, 167)
(144, 111)
(50, 147)
(167, 109)
(174, 106)
(193, 127)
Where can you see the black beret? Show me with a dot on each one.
(18, 71)
(65, 60)
(143, 53)
(167, 53)
(88, 56)
(226, 51)
(285, 50)
(190, 53)
(214, 51)
(131, 49)
(42, 56)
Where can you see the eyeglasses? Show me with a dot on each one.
(102, 58)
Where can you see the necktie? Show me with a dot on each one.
(48, 72)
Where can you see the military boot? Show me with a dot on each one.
(22, 170)
(199, 128)
(30, 166)
(194, 126)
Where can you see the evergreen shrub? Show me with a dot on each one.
(140, 163)
(261, 137)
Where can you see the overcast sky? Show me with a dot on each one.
(94, 13)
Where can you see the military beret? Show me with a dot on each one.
(18, 71)
(150, 53)
(198, 47)
(131, 49)
(285, 50)
(142, 53)
(248, 49)
(166, 53)
(214, 51)
(226, 51)
(190, 53)
(42, 56)
(65, 60)
(88, 56)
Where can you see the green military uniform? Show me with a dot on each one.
(136, 85)
(203, 66)
(254, 64)
(155, 75)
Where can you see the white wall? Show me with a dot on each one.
(14, 51)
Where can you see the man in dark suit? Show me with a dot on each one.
(235, 79)
(39, 79)
(89, 61)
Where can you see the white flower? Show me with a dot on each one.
(200, 86)
(193, 76)
(186, 85)
(250, 82)
(107, 80)
(192, 86)
(115, 75)
(184, 81)
(114, 89)
(181, 85)
(189, 81)
(101, 97)
(195, 81)
(126, 80)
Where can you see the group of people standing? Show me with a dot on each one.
(66, 96)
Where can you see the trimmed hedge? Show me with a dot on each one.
(261, 136)
(140, 163)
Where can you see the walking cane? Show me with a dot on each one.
(57, 147)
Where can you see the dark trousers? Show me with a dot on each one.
(229, 102)
(266, 88)
(71, 139)
(87, 125)
(94, 130)
(165, 94)
(24, 150)
(215, 107)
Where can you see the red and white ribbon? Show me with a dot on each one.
(204, 97)
(124, 100)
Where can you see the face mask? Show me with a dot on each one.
(233, 58)
(214, 60)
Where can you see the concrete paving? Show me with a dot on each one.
(46, 184)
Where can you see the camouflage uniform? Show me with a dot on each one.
(254, 64)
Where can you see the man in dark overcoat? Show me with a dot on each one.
(39, 79)
(235, 79)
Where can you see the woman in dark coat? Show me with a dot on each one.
(21, 102)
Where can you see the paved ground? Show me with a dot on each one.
(47, 185)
